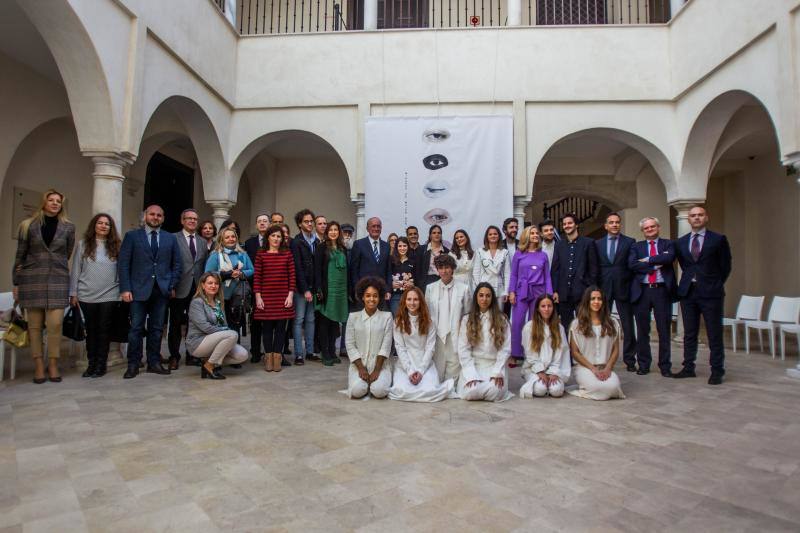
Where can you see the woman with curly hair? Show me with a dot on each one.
(547, 364)
(415, 376)
(484, 341)
(594, 343)
(369, 341)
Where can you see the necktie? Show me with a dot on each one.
(154, 243)
(652, 277)
(696, 246)
(192, 247)
(375, 251)
(443, 320)
(613, 249)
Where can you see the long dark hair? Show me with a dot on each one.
(339, 240)
(90, 238)
(423, 315)
(275, 228)
(584, 315)
(486, 237)
(498, 320)
(538, 326)
(396, 254)
(456, 249)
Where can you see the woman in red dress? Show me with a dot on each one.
(274, 285)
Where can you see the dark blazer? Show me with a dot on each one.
(363, 264)
(138, 269)
(584, 264)
(303, 262)
(191, 270)
(422, 261)
(251, 248)
(614, 277)
(712, 268)
(322, 256)
(665, 258)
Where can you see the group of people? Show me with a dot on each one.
(443, 312)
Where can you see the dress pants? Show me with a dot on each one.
(657, 299)
(625, 310)
(178, 309)
(566, 312)
(255, 336)
(98, 318)
(521, 312)
(51, 321)
(711, 309)
(151, 310)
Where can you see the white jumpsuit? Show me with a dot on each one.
(551, 362)
(482, 362)
(597, 350)
(367, 338)
(415, 354)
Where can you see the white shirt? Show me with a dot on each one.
(463, 271)
(494, 270)
(548, 248)
(595, 349)
(546, 359)
(186, 236)
(415, 351)
(482, 359)
(368, 337)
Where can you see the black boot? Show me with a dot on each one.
(255, 358)
(100, 368)
(91, 367)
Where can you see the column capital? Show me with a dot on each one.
(684, 205)
(221, 204)
(116, 158)
(221, 210)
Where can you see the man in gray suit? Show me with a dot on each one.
(194, 253)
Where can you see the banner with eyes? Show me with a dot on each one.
(456, 172)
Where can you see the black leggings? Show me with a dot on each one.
(272, 333)
(98, 318)
(328, 331)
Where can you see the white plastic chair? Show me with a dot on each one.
(749, 308)
(7, 302)
(782, 311)
(791, 329)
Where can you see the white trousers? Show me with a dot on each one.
(221, 348)
(592, 388)
(445, 358)
(358, 388)
(429, 389)
(536, 387)
(485, 389)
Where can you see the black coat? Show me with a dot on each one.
(711, 270)
(363, 264)
(579, 257)
(614, 277)
(322, 256)
(303, 263)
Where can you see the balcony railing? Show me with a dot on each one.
(256, 17)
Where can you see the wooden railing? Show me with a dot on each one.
(581, 208)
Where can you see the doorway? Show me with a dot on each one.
(169, 184)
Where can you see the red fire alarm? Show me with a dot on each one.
(475, 20)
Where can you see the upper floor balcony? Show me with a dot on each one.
(260, 17)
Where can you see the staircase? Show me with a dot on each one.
(581, 208)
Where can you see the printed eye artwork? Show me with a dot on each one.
(437, 216)
(435, 135)
(435, 162)
(435, 188)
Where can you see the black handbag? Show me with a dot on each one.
(73, 327)
(240, 306)
(120, 322)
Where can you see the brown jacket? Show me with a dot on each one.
(41, 273)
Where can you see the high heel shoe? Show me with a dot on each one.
(210, 374)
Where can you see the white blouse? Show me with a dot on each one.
(546, 359)
(494, 270)
(368, 337)
(415, 351)
(463, 270)
(478, 361)
(596, 349)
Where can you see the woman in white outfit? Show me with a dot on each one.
(415, 376)
(594, 343)
(484, 341)
(464, 255)
(491, 264)
(369, 342)
(547, 364)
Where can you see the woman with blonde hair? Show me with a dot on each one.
(547, 363)
(234, 267)
(483, 344)
(208, 336)
(415, 376)
(41, 279)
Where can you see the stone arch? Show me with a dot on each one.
(703, 148)
(81, 71)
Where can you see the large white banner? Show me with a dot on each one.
(453, 171)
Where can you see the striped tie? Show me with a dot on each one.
(375, 251)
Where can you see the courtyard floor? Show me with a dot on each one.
(288, 452)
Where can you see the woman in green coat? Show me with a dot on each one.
(330, 272)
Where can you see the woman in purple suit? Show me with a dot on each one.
(530, 278)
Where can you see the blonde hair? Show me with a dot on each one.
(25, 225)
(526, 238)
(220, 246)
(201, 293)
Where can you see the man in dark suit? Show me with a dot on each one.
(302, 247)
(615, 280)
(193, 261)
(653, 287)
(574, 269)
(251, 246)
(705, 259)
(370, 257)
(149, 270)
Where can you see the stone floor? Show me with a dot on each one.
(287, 452)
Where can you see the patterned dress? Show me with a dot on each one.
(274, 280)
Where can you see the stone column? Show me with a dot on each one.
(682, 219)
(520, 203)
(221, 210)
(361, 222)
(108, 177)
(370, 14)
(515, 16)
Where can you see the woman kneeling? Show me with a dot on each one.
(369, 341)
(415, 378)
(208, 336)
(594, 343)
(484, 340)
(547, 364)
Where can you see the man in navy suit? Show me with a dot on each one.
(149, 270)
(370, 256)
(653, 287)
(705, 259)
(574, 269)
(615, 280)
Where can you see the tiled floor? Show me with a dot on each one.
(287, 452)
